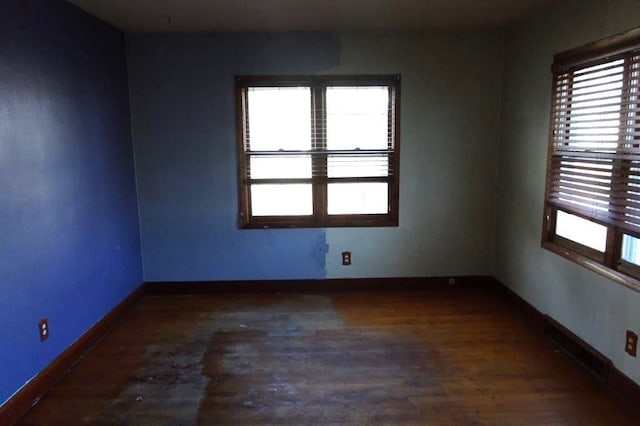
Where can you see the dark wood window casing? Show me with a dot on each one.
(593, 167)
(325, 167)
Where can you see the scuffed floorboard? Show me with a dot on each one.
(441, 356)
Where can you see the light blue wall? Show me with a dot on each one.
(183, 112)
(595, 308)
(69, 238)
(451, 84)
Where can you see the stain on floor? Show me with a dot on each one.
(434, 357)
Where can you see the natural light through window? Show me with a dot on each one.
(282, 200)
(323, 149)
(581, 231)
(592, 204)
(357, 198)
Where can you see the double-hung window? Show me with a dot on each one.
(592, 203)
(318, 151)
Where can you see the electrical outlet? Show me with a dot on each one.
(346, 258)
(43, 329)
(452, 280)
(631, 344)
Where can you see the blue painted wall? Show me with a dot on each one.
(69, 237)
(184, 131)
(183, 113)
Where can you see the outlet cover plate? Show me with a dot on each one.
(631, 343)
(43, 329)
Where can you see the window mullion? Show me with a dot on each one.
(620, 172)
(549, 223)
(613, 247)
(243, 147)
(392, 159)
(568, 112)
(319, 158)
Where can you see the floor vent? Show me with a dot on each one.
(581, 351)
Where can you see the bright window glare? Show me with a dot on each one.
(595, 97)
(357, 117)
(279, 118)
(281, 200)
(279, 167)
(581, 231)
(357, 198)
(317, 150)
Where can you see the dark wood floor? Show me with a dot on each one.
(441, 357)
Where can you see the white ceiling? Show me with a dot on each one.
(143, 16)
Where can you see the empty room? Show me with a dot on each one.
(319, 212)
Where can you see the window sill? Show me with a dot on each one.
(272, 224)
(592, 265)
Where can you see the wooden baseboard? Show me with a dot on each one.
(328, 285)
(528, 310)
(625, 390)
(581, 351)
(31, 393)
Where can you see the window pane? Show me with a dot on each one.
(357, 165)
(280, 167)
(281, 200)
(279, 118)
(357, 198)
(581, 231)
(631, 249)
(357, 117)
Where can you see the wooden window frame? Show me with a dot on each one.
(319, 154)
(608, 263)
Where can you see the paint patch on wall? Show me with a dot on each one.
(184, 120)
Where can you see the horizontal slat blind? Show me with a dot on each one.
(594, 169)
(338, 164)
(367, 154)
